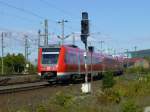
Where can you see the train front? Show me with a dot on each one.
(47, 62)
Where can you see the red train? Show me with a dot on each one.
(68, 62)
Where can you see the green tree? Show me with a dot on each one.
(16, 64)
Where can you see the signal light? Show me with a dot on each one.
(84, 27)
(91, 49)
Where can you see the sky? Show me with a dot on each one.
(121, 24)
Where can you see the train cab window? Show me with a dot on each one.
(49, 59)
(50, 55)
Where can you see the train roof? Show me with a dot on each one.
(58, 46)
(71, 47)
(51, 46)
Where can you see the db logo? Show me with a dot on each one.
(48, 68)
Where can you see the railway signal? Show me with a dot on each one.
(84, 27)
(86, 87)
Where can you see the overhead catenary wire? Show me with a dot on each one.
(39, 16)
(59, 9)
(22, 10)
(20, 41)
(62, 11)
(33, 14)
(27, 12)
(76, 19)
(4, 13)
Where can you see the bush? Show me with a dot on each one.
(41, 108)
(63, 100)
(108, 80)
(137, 70)
(108, 96)
(21, 109)
(130, 106)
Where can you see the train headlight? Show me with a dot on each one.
(39, 74)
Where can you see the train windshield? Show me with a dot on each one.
(49, 58)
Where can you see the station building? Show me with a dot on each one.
(137, 58)
(139, 54)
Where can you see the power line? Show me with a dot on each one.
(17, 16)
(26, 11)
(58, 9)
(31, 13)
(38, 16)
(22, 10)
(21, 40)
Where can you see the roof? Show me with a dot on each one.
(140, 53)
(136, 59)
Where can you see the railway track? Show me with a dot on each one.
(40, 84)
(22, 87)
(18, 79)
(30, 86)
(15, 76)
(4, 80)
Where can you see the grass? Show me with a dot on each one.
(123, 96)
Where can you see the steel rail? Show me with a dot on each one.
(22, 87)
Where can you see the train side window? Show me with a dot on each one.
(79, 62)
(72, 58)
(67, 58)
(81, 59)
(89, 59)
